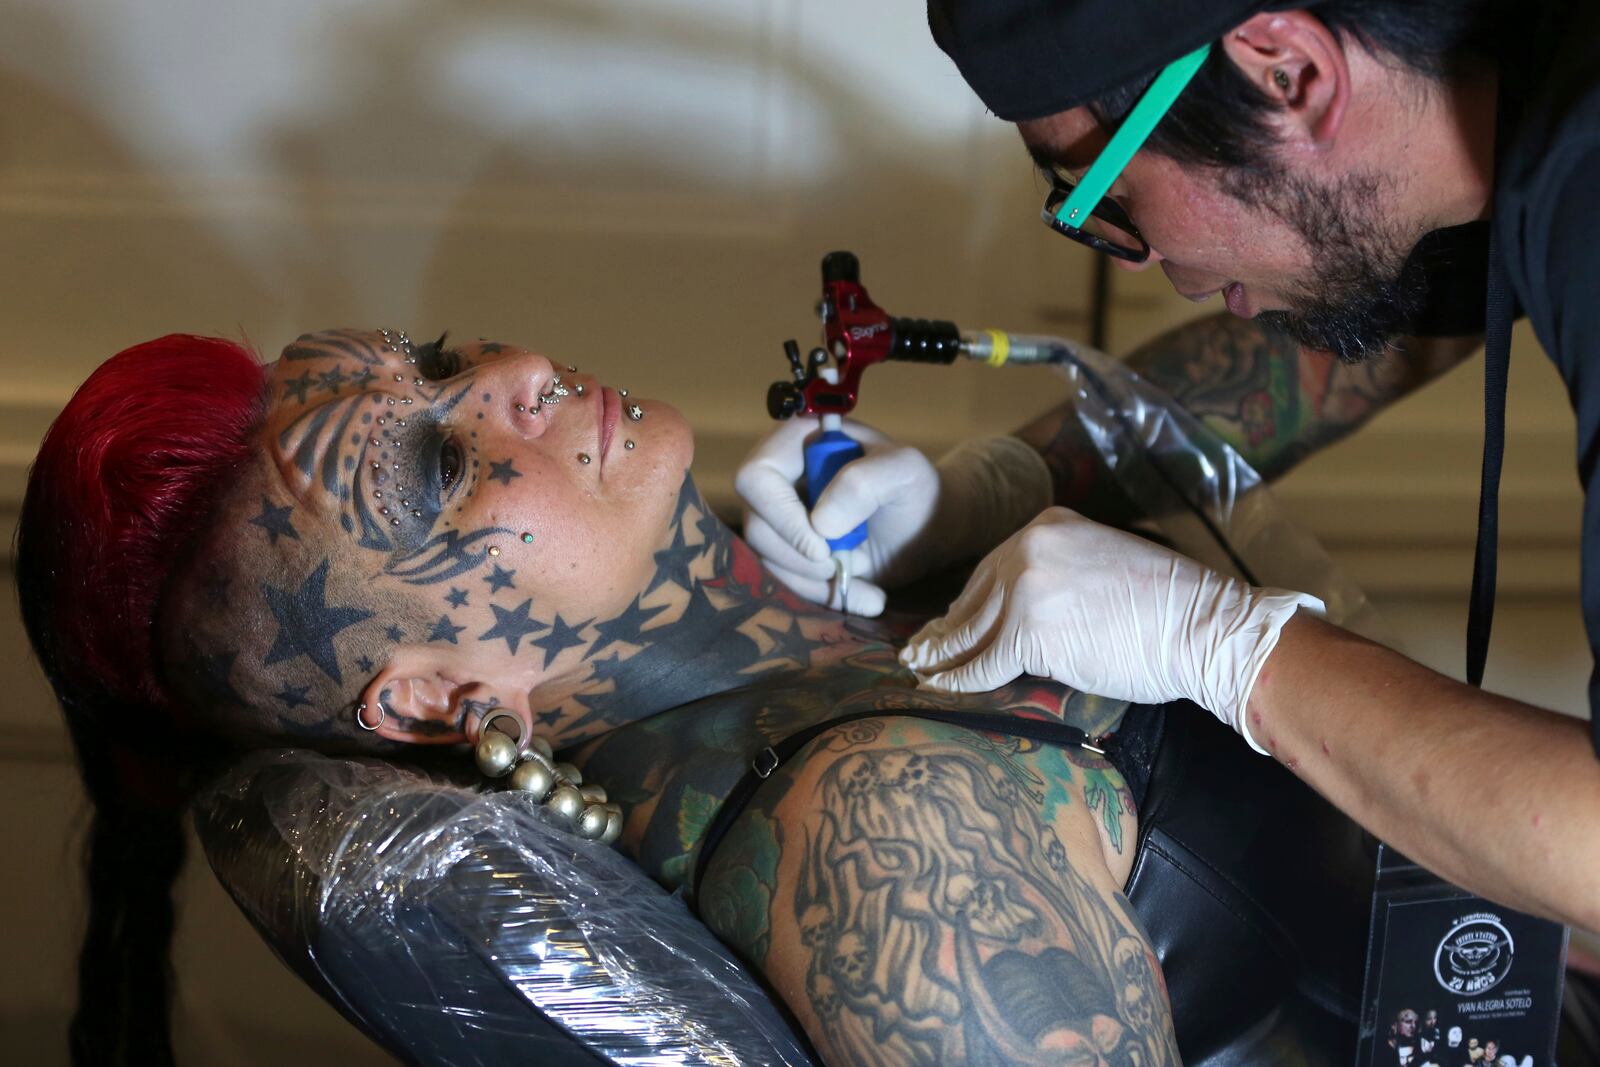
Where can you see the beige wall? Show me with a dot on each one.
(644, 187)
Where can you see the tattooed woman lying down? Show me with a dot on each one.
(215, 549)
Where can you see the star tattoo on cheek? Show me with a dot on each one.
(560, 638)
(457, 598)
(502, 471)
(275, 520)
(512, 625)
(500, 579)
(307, 623)
(445, 630)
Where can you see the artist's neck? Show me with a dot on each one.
(711, 620)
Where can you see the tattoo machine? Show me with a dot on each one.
(857, 333)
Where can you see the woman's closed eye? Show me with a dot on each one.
(435, 361)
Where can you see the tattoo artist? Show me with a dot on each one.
(1353, 176)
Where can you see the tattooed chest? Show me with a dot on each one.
(672, 772)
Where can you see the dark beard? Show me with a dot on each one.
(1365, 289)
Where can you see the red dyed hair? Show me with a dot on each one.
(123, 478)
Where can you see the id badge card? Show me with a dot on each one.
(1453, 980)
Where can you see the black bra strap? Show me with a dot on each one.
(774, 756)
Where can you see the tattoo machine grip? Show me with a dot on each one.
(824, 455)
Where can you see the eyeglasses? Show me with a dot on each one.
(1081, 211)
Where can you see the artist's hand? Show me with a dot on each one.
(1106, 613)
(920, 516)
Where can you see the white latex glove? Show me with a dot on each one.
(920, 517)
(1106, 613)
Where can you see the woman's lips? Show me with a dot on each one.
(610, 412)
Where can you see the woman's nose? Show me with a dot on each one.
(517, 382)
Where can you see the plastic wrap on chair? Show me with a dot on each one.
(466, 928)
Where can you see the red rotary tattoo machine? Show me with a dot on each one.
(856, 333)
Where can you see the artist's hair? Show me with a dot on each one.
(124, 478)
(1221, 119)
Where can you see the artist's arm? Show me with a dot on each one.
(1272, 400)
(1493, 794)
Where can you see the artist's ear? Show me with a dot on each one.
(1299, 62)
(422, 705)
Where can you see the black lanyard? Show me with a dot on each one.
(1496, 365)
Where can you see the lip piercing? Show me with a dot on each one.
(583, 457)
(635, 412)
(622, 392)
(571, 369)
(361, 710)
(628, 445)
(578, 388)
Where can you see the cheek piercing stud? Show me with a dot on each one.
(527, 538)
(494, 550)
(628, 445)
(635, 412)
(583, 457)
(521, 407)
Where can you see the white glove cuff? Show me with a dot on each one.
(1249, 646)
(989, 489)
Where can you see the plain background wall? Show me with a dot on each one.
(640, 186)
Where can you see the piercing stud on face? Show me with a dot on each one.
(583, 457)
(521, 407)
(527, 538)
(635, 412)
(622, 392)
(571, 369)
(494, 550)
(628, 445)
(578, 388)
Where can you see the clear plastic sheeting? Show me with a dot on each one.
(1194, 491)
(465, 928)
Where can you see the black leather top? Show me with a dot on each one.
(1256, 894)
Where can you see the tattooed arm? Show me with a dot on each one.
(1272, 400)
(917, 900)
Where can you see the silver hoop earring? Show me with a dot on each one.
(361, 709)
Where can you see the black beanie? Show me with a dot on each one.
(1030, 58)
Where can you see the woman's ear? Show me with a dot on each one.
(412, 702)
(1299, 62)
